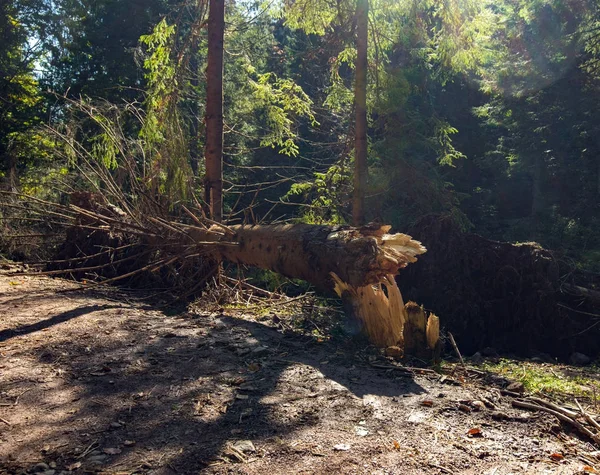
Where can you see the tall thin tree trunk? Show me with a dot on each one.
(13, 177)
(360, 128)
(214, 109)
(194, 112)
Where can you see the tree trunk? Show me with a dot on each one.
(357, 256)
(214, 109)
(357, 263)
(13, 177)
(360, 128)
(194, 112)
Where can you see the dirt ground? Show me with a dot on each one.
(102, 382)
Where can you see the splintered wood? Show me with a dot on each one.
(380, 308)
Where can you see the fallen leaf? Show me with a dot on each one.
(253, 367)
(557, 456)
(396, 445)
(111, 451)
(427, 403)
(475, 432)
(394, 352)
(464, 408)
(73, 466)
(588, 469)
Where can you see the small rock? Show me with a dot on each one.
(244, 446)
(500, 416)
(394, 352)
(241, 397)
(48, 472)
(129, 443)
(260, 351)
(97, 459)
(52, 464)
(516, 387)
(478, 405)
(115, 425)
(476, 359)
(579, 359)
(111, 451)
(542, 358)
(464, 408)
(341, 447)
(40, 467)
(489, 352)
(361, 431)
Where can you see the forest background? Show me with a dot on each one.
(482, 111)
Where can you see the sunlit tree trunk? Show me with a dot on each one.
(360, 97)
(194, 113)
(214, 109)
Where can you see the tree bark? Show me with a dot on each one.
(360, 128)
(214, 109)
(357, 256)
(194, 112)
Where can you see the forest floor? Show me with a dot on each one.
(100, 381)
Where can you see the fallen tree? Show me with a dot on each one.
(359, 264)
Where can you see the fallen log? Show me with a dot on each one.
(357, 263)
(357, 256)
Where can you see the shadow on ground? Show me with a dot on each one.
(171, 394)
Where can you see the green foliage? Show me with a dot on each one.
(326, 194)
(162, 130)
(280, 98)
(547, 379)
(442, 141)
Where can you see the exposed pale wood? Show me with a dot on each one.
(381, 316)
(415, 341)
(433, 331)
